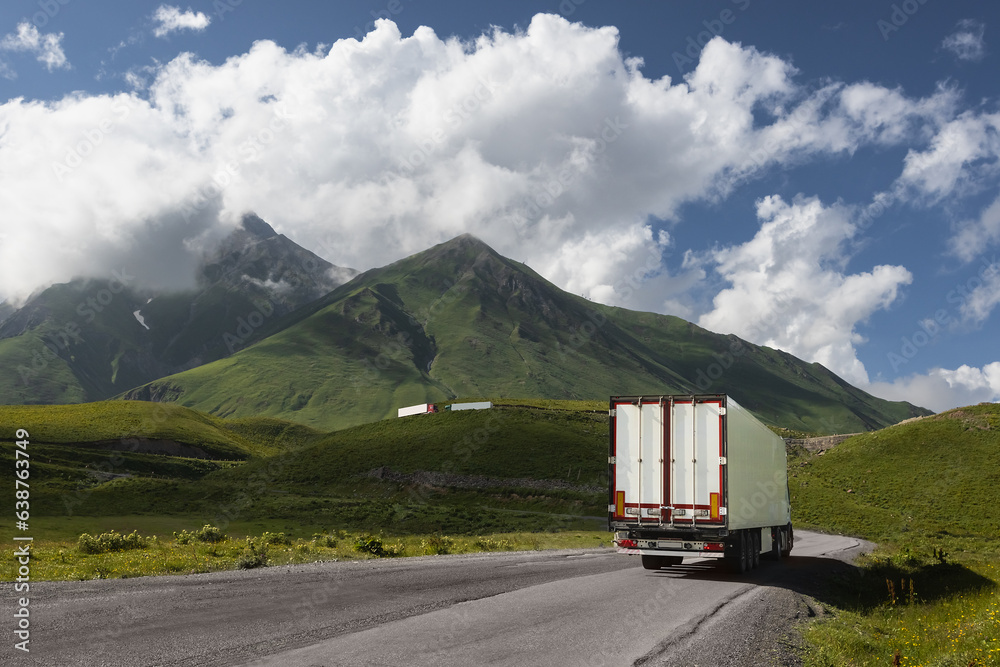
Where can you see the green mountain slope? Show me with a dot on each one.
(88, 340)
(938, 476)
(461, 320)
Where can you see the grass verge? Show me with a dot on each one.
(899, 608)
(186, 553)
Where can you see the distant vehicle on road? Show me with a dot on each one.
(419, 409)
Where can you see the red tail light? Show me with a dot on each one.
(628, 544)
(715, 546)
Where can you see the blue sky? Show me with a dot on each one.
(818, 177)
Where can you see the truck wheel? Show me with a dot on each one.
(652, 562)
(657, 562)
(788, 541)
(776, 541)
(755, 549)
(737, 561)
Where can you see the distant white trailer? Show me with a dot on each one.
(486, 405)
(420, 409)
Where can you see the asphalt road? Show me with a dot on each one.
(570, 607)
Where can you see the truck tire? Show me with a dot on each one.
(658, 562)
(788, 541)
(736, 561)
(775, 552)
(755, 549)
(652, 562)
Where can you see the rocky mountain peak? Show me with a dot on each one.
(253, 224)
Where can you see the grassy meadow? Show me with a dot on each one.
(524, 475)
(926, 492)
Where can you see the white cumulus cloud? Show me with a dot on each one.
(984, 296)
(548, 143)
(789, 288)
(47, 48)
(963, 157)
(171, 19)
(942, 389)
(967, 42)
(974, 236)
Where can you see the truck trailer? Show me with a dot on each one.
(696, 476)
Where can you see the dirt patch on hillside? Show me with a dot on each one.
(820, 444)
(430, 478)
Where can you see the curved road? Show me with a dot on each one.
(583, 607)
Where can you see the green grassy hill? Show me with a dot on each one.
(121, 425)
(460, 320)
(76, 450)
(926, 492)
(531, 465)
(935, 477)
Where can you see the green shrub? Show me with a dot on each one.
(112, 541)
(206, 533)
(494, 544)
(252, 556)
(374, 545)
(324, 540)
(275, 538)
(437, 544)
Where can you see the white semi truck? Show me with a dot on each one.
(696, 476)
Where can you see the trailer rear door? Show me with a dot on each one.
(668, 460)
(637, 460)
(697, 470)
